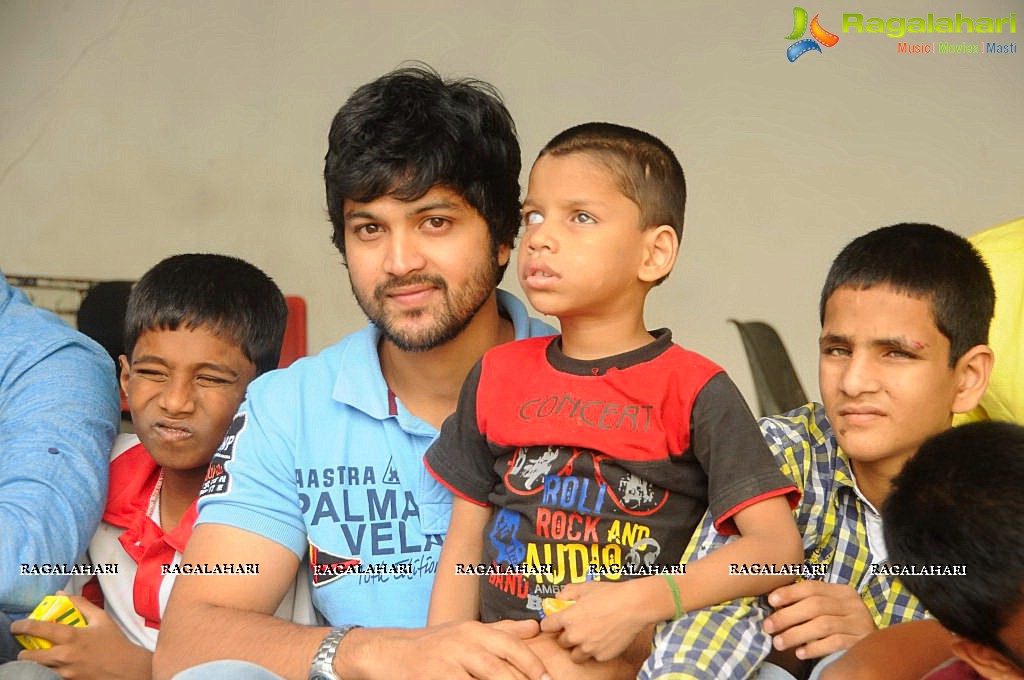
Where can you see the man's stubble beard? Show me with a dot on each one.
(453, 314)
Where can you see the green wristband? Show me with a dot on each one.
(675, 594)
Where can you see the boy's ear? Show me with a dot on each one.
(125, 370)
(661, 245)
(973, 370)
(989, 663)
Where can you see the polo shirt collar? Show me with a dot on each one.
(360, 381)
(360, 384)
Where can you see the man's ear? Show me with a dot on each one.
(973, 370)
(989, 663)
(661, 245)
(504, 254)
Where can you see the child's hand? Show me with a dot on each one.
(606, 618)
(817, 618)
(95, 652)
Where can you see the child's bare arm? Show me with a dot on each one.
(903, 651)
(768, 536)
(456, 597)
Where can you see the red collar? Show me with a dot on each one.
(133, 476)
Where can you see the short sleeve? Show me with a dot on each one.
(729, 446)
(461, 458)
(251, 480)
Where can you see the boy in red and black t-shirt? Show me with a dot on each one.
(582, 463)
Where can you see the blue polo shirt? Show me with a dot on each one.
(323, 459)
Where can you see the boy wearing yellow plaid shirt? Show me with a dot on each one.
(905, 313)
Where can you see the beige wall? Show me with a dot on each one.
(133, 130)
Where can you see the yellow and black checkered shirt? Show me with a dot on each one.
(726, 640)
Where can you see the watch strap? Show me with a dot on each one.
(322, 667)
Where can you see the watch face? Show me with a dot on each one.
(322, 671)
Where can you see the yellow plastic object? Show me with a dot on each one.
(56, 608)
(551, 605)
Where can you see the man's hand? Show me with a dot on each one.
(455, 651)
(816, 619)
(96, 652)
(606, 618)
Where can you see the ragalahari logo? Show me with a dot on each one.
(819, 35)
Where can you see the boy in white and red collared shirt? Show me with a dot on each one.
(198, 329)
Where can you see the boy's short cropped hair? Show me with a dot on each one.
(645, 168)
(411, 130)
(225, 294)
(960, 502)
(923, 261)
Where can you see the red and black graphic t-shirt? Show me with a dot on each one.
(597, 470)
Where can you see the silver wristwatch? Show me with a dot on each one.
(322, 667)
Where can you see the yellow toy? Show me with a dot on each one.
(550, 605)
(57, 608)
